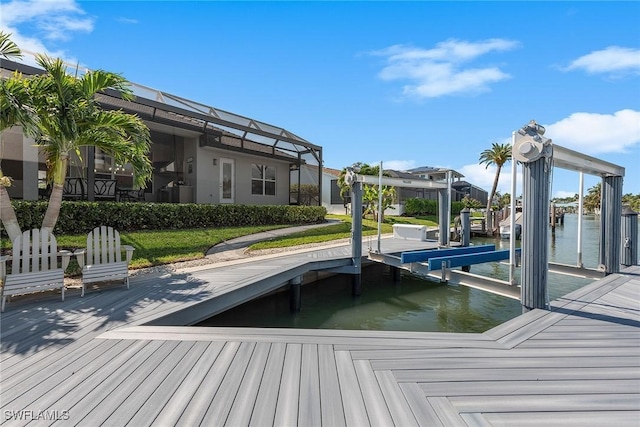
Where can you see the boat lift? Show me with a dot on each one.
(435, 264)
(538, 156)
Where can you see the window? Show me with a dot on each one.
(336, 199)
(263, 180)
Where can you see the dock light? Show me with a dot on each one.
(530, 145)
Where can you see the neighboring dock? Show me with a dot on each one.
(95, 361)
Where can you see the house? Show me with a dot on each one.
(459, 187)
(335, 204)
(330, 196)
(200, 154)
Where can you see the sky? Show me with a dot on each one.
(406, 83)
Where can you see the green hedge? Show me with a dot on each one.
(82, 217)
(420, 207)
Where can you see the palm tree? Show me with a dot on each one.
(498, 155)
(62, 114)
(591, 201)
(14, 109)
(69, 117)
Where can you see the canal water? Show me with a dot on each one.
(414, 304)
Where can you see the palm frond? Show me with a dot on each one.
(8, 48)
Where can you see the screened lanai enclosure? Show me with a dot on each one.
(200, 154)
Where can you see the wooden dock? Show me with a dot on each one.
(96, 361)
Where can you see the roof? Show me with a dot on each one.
(437, 173)
(161, 107)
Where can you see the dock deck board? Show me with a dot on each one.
(95, 357)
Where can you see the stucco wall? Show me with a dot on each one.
(208, 177)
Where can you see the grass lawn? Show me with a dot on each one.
(341, 230)
(162, 247)
(168, 246)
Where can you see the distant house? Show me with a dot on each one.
(332, 201)
(460, 188)
(199, 154)
(331, 198)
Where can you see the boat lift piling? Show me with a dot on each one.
(629, 243)
(534, 151)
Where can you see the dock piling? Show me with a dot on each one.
(610, 223)
(295, 293)
(356, 235)
(629, 244)
(534, 152)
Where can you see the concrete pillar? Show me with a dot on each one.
(629, 243)
(443, 217)
(610, 213)
(295, 294)
(356, 236)
(535, 211)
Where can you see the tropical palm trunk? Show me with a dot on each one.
(489, 202)
(8, 215)
(55, 199)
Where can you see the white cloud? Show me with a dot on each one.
(441, 70)
(613, 60)
(593, 133)
(482, 177)
(399, 165)
(52, 20)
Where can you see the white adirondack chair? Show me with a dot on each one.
(101, 260)
(34, 265)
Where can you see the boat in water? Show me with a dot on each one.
(505, 227)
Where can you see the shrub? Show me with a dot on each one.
(82, 217)
(423, 207)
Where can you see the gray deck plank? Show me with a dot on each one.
(294, 337)
(506, 362)
(330, 395)
(438, 375)
(565, 419)
(21, 396)
(399, 354)
(396, 402)
(82, 392)
(264, 409)
(547, 402)
(475, 419)
(119, 388)
(580, 343)
(201, 398)
(355, 411)
(170, 413)
(529, 388)
(142, 407)
(289, 394)
(242, 407)
(446, 411)
(36, 374)
(223, 400)
(309, 413)
(373, 398)
(422, 410)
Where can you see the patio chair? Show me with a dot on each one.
(34, 265)
(101, 260)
